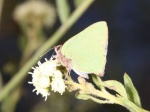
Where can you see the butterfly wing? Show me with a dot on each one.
(88, 49)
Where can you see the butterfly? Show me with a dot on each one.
(85, 53)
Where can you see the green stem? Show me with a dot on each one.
(118, 100)
(115, 99)
(86, 97)
(95, 94)
(111, 99)
(130, 105)
(1, 8)
(18, 77)
(107, 98)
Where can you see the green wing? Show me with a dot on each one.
(88, 49)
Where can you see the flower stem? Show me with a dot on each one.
(18, 77)
(114, 99)
(103, 97)
(117, 100)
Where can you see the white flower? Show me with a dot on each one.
(43, 91)
(47, 68)
(37, 10)
(57, 74)
(46, 75)
(58, 85)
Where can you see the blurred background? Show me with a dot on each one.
(25, 25)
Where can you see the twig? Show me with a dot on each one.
(1, 7)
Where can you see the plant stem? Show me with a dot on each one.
(96, 95)
(115, 100)
(1, 8)
(18, 77)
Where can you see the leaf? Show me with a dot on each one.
(97, 81)
(95, 99)
(63, 10)
(82, 96)
(116, 86)
(131, 91)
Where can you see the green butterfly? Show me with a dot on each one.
(85, 53)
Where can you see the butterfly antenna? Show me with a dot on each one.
(46, 53)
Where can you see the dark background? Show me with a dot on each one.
(128, 49)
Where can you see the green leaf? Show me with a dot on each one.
(116, 86)
(95, 99)
(97, 80)
(82, 96)
(131, 91)
(63, 10)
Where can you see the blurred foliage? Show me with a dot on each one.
(77, 2)
(63, 10)
(33, 16)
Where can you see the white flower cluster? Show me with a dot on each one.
(46, 76)
(37, 10)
